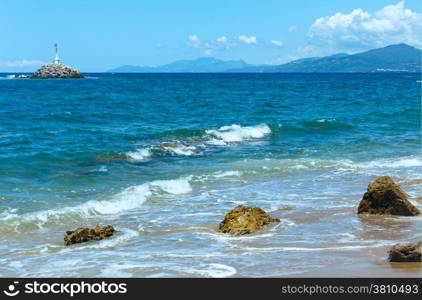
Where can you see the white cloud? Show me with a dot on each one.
(21, 63)
(222, 39)
(210, 47)
(292, 28)
(247, 39)
(224, 42)
(193, 41)
(277, 43)
(361, 30)
(306, 51)
(209, 52)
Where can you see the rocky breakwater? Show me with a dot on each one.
(385, 197)
(245, 220)
(81, 235)
(56, 70)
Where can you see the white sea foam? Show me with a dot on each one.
(117, 239)
(236, 133)
(218, 175)
(9, 77)
(130, 198)
(251, 166)
(141, 154)
(404, 162)
(180, 149)
(206, 255)
(222, 174)
(349, 165)
(216, 270)
(391, 163)
(311, 249)
(222, 237)
(222, 136)
(103, 169)
(325, 120)
(122, 269)
(8, 213)
(176, 186)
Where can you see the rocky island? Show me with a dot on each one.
(56, 70)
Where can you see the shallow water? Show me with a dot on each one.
(162, 157)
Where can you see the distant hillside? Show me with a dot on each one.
(204, 64)
(394, 58)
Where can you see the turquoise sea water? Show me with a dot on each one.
(163, 157)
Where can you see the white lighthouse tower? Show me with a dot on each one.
(56, 58)
(56, 69)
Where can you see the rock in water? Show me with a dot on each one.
(245, 220)
(81, 235)
(56, 70)
(405, 253)
(384, 197)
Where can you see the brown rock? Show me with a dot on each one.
(81, 235)
(169, 145)
(405, 253)
(245, 220)
(384, 197)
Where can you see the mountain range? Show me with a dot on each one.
(203, 64)
(393, 58)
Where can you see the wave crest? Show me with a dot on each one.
(236, 133)
(130, 198)
(141, 154)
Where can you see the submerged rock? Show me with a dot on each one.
(245, 220)
(180, 146)
(110, 156)
(81, 235)
(169, 145)
(384, 197)
(56, 70)
(405, 253)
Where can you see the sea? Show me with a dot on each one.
(163, 157)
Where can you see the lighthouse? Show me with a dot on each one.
(56, 58)
(56, 69)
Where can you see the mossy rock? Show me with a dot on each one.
(245, 220)
(385, 197)
(81, 235)
(405, 253)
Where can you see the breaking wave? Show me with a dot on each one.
(236, 133)
(180, 149)
(130, 198)
(191, 143)
(142, 154)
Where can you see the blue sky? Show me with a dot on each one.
(98, 35)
